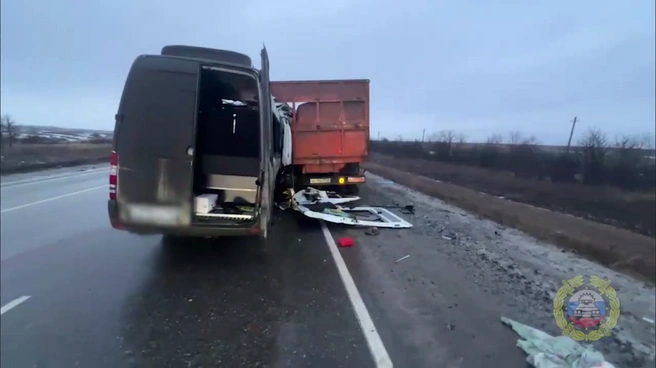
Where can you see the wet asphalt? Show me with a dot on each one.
(99, 297)
(103, 298)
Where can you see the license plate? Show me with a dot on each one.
(320, 181)
(156, 215)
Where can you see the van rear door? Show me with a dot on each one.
(155, 139)
(267, 176)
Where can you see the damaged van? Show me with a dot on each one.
(197, 145)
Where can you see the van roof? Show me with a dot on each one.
(159, 62)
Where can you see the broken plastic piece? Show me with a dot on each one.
(345, 242)
(311, 195)
(322, 205)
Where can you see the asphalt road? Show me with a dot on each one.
(76, 292)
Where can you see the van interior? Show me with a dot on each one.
(227, 153)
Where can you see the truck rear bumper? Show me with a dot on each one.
(192, 231)
(332, 180)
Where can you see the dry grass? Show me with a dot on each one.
(628, 210)
(29, 157)
(617, 248)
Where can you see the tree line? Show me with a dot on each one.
(12, 134)
(627, 161)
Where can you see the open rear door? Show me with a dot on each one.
(267, 175)
(155, 142)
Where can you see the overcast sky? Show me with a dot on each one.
(478, 67)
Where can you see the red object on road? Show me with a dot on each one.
(345, 242)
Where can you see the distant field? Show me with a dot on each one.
(617, 248)
(45, 134)
(634, 211)
(30, 157)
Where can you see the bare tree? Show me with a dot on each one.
(447, 136)
(515, 137)
(629, 148)
(594, 138)
(9, 128)
(495, 139)
(595, 146)
(444, 143)
(648, 139)
(529, 141)
(462, 138)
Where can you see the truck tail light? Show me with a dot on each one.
(113, 175)
(359, 179)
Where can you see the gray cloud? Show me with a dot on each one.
(472, 66)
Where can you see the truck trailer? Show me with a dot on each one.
(329, 129)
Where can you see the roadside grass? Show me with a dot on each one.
(611, 246)
(634, 211)
(32, 157)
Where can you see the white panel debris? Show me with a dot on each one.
(322, 205)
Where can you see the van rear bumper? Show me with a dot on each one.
(193, 231)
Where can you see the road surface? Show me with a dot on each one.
(76, 292)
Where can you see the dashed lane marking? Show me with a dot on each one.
(13, 304)
(52, 199)
(42, 179)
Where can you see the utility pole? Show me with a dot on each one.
(571, 133)
(423, 134)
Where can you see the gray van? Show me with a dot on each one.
(194, 126)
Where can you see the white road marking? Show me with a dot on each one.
(52, 199)
(376, 346)
(13, 304)
(10, 184)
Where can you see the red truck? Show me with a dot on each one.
(330, 130)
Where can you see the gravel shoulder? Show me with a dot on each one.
(463, 274)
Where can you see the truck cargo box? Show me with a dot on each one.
(330, 126)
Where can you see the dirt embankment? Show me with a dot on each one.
(32, 157)
(611, 246)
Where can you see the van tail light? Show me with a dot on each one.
(113, 175)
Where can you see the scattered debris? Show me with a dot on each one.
(345, 242)
(286, 201)
(311, 195)
(450, 326)
(446, 238)
(372, 231)
(402, 258)
(546, 351)
(407, 210)
(324, 205)
(648, 320)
